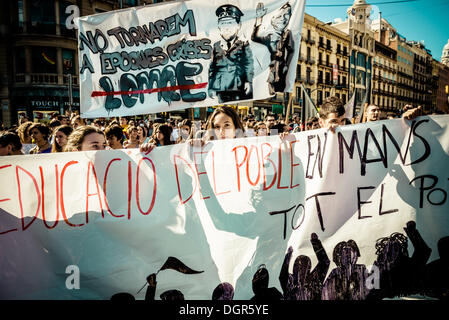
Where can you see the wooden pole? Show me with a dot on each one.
(288, 109)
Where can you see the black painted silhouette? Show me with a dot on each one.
(172, 295)
(347, 280)
(173, 264)
(437, 273)
(224, 291)
(123, 296)
(400, 274)
(260, 287)
(304, 284)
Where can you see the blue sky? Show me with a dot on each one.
(417, 20)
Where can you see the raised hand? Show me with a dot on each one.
(411, 112)
(147, 147)
(260, 10)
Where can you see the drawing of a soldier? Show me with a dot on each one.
(231, 70)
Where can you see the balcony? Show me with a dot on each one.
(309, 40)
(44, 79)
(310, 61)
(310, 81)
(300, 79)
(321, 45)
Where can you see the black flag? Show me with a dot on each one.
(177, 265)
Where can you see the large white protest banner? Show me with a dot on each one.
(182, 54)
(359, 214)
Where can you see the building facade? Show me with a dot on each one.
(386, 34)
(385, 79)
(405, 61)
(445, 55)
(422, 76)
(442, 98)
(39, 56)
(362, 51)
(323, 63)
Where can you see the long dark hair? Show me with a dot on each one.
(67, 130)
(230, 112)
(166, 130)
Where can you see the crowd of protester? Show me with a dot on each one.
(72, 133)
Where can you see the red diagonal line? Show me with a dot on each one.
(173, 88)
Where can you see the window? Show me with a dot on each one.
(298, 93)
(20, 20)
(42, 17)
(308, 75)
(298, 72)
(308, 53)
(320, 97)
(68, 61)
(43, 59)
(19, 59)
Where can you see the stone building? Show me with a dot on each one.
(323, 62)
(386, 34)
(362, 50)
(422, 76)
(445, 55)
(385, 79)
(39, 57)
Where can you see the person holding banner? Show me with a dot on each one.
(161, 136)
(86, 138)
(331, 113)
(225, 123)
(231, 70)
(372, 113)
(411, 112)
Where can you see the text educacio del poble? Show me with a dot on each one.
(280, 157)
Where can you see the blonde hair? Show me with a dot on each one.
(76, 138)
